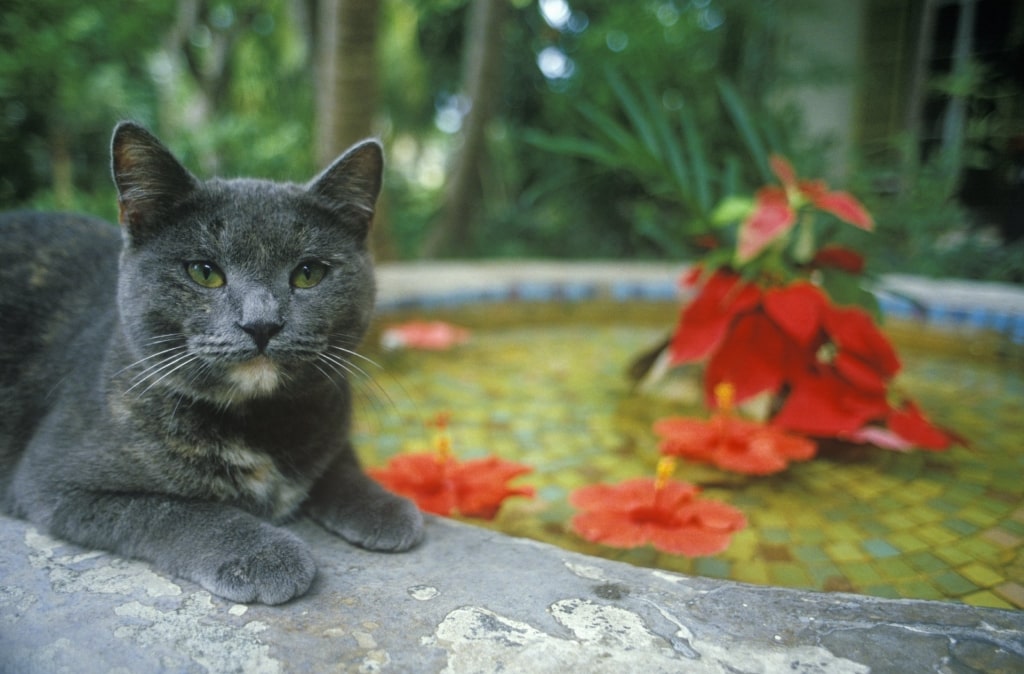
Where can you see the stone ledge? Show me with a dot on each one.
(468, 600)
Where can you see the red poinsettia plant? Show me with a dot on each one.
(441, 484)
(764, 323)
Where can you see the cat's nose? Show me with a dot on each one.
(261, 332)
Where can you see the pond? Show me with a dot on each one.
(544, 384)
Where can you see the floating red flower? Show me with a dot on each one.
(441, 484)
(423, 335)
(665, 513)
(731, 443)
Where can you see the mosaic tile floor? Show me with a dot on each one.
(544, 385)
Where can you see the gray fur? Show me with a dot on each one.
(143, 413)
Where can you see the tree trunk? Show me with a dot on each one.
(346, 91)
(452, 230)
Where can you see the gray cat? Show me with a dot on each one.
(169, 391)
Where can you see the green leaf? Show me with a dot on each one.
(731, 209)
(635, 112)
(573, 147)
(745, 123)
(698, 162)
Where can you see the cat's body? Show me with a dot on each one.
(172, 406)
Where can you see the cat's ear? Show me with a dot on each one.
(149, 180)
(350, 186)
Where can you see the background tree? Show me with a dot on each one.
(482, 83)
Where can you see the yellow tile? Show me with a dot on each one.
(907, 542)
(937, 535)
(845, 551)
(977, 516)
(742, 547)
(986, 599)
(765, 519)
(954, 555)
(751, 572)
(896, 520)
(841, 531)
(980, 575)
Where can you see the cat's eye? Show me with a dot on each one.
(308, 274)
(206, 274)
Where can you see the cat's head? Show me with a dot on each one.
(231, 290)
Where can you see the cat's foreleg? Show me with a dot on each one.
(229, 552)
(348, 503)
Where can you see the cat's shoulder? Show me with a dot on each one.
(46, 256)
(28, 226)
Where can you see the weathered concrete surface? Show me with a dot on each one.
(468, 600)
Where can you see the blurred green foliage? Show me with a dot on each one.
(620, 124)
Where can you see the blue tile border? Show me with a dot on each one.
(936, 314)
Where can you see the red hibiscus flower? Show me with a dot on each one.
(665, 513)
(441, 484)
(775, 209)
(730, 443)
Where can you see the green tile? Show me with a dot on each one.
(953, 584)
(860, 573)
(878, 548)
(712, 567)
(895, 568)
(961, 527)
(771, 535)
(920, 589)
(926, 561)
(887, 591)
(809, 554)
(789, 574)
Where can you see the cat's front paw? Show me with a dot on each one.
(386, 522)
(269, 568)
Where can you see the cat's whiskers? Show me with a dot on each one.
(363, 381)
(149, 357)
(167, 367)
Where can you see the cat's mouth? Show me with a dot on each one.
(254, 377)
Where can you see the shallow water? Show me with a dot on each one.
(544, 385)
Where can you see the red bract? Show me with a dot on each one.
(731, 443)
(838, 257)
(706, 319)
(828, 367)
(775, 209)
(665, 513)
(772, 217)
(910, 423)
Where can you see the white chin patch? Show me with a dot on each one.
(253, 378)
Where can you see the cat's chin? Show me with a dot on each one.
(254, 378)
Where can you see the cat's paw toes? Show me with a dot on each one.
(388, 524)
(276, 568)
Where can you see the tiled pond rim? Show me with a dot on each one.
(472, 600)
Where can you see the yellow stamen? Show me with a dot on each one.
(443, 447)
(666, 466)
(725, 396)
